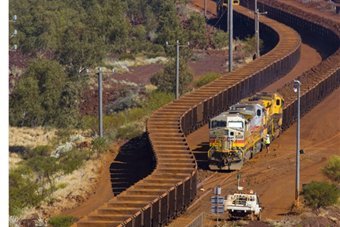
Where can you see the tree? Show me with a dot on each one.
(197, 31)
(166, 80)
(24, 103)
(320, 194)
(36, 98)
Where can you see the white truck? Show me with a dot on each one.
(240, 205)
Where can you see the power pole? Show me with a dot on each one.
(100, 102)
(257, 32)
(177, 65)
(297, 85)
(205, 8)
(257, 28)
(177, 70)
(230, 30)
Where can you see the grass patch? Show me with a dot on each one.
(62, 221)
(206, 78)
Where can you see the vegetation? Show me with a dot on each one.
(207, 78)
(44, 96)
(166, 80)
(220, 39)
(130, 122)
(320, 194)
(23, 190)
(62, 221)
(332, 169)
(34, 180)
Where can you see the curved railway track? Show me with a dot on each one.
(168, 191)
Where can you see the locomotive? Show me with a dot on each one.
(238, 134)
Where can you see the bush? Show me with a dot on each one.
(129, 131)
(220, 39)
(23, 191)
(157, 99)
(332, 169)
(100, 144)
(320, 194)
(207, 78)
(166, 80)
(62, 221)
(73, 160)
(42, 150)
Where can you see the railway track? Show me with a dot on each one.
(168, 191)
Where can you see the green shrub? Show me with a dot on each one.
(72, 160)
(320, 194)
(166, 80)
(23, 191)
(205, 79)
(100, 144)
(332, 169)
(157, 99)
(129, 131)
(42, 150)
(62, 221)
(220, 39)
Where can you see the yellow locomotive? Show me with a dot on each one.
(238, 134)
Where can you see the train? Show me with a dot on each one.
(239, 133)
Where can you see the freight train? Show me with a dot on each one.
(238, 134)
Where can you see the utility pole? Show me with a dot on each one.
(230, 30)
(297, 85)
(100, 102)
(257, 28)
(177, 65)
(257, 32)
(205, 8)
(177, 69)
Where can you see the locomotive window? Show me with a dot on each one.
(277, 102)
(218, 124)
(235, 124)
(258, 112)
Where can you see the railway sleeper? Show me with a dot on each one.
(176, 169)
(118, 210)
(178, 155)
(106, 217)
(125, 204)
(158, 180)
(92, 223)
(176, 160)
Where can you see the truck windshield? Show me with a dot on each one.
(235, 124)
(218, 124)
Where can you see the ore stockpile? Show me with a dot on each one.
(170, 188)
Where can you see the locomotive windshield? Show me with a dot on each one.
(235, 124)
(218, 124)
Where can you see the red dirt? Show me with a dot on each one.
(102, 194)
(140, 74)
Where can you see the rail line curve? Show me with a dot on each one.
(171, 187)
